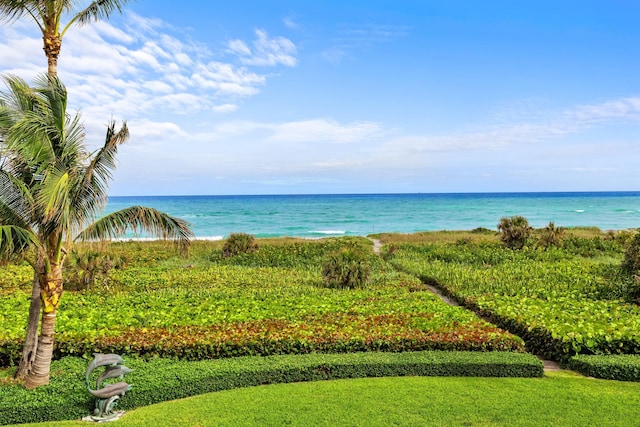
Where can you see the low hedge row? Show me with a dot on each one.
(621, 367)
(332, 333)
(159, 380)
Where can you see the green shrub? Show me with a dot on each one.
(86, 268)
(551, 236)
(514, 231)
(346, 268)
(631, 262)
(591, 247)
(239, 243)
(160, 380)
(624, 367)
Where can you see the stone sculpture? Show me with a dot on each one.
(107, 395)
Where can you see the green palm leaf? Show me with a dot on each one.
(139, 219)
(15, 240)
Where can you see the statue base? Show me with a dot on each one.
(113, 417)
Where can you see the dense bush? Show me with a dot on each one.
(564, 326)
(84, 268)
(346, 268)
(437, 328)
(631, 262)
(514, 231)
(625, 367)
(591, 247)
(551, 236)
(160, 380)
(239, 243)
(289, 253)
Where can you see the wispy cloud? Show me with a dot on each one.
(290, 23)
(321, 131)
(364, 37)
(266, 51)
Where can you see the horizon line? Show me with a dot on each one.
(393, 194)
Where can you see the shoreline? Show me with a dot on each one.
(329, 236)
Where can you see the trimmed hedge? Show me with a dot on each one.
(160, 380)
(622, 367)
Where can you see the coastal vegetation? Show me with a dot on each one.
(563, 301)
(270, 301)
(572, 302)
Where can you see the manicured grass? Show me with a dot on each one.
(559, 399)
(162, 380)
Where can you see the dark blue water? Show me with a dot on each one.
(363, 214)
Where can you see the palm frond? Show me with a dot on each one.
(53, 197)
(54, 92)
(10, 10)
(20, 95)
(139, 219)
(16, 201)
(92, 194)
(97, 10)
(15, 240)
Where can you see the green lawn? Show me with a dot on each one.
(559, 399)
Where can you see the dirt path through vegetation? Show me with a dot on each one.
(549, 365)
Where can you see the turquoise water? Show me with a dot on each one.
(363, 214)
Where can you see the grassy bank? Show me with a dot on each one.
(558, 399)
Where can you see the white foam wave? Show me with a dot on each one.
(328, 232)
(579, 210)
(155, 239)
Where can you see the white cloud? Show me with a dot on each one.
(360, 38)
(623, 109)
(267, 51)
(290, 23)
(225, 108)
(324, 130)
(143, 67)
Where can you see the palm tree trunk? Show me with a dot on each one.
(31, 340)
(50, 293)
(52, 46)
(39, 374)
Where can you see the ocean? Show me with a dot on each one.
(312, 216)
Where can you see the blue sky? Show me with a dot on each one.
(290, 97)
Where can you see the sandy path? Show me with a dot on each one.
(549, 365)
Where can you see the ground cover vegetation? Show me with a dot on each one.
(571, 295)
(269, 301)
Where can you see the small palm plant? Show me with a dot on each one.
(51, 192)
(514, 231)
(551, 236)
(239, 243)
(346, 268)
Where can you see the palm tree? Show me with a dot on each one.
(48, 14)
(51, 192)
